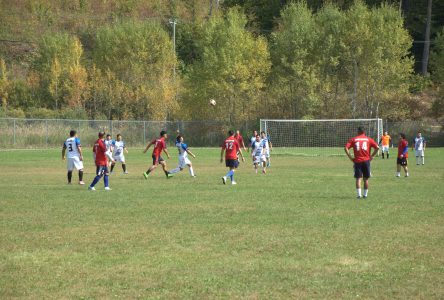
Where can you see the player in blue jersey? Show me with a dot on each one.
(75, 156)
(419, 145)
(119, 148)
(183, 157)
(258, 155)
(267, 145)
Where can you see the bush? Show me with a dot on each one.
(41, 113)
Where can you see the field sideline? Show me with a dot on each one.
(297, 232)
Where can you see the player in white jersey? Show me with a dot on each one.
(253, 139)
(268, 146)
(109, 149)
(183, 157)
(419, 144)
(258, 154)
(75, 156)
(118, 149)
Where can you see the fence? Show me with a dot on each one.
(41, 133)
(49, 133)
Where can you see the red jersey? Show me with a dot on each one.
(231, 147)
(403, 148)
(361, 147)
(239, 139)
(159, 145)
(99, 150)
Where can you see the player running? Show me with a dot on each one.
(403, 154)
(159, 146)
(101, 161)
(258, 155)
(361, 145)
(118, 149)
(385, 142)
(109, 149)
(252, 139)
(183, 157)
(419, 144)
(75, 156)
(231, 148)
(268, 147)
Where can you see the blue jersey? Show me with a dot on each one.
(182, 148)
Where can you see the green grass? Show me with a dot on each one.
(297, 232)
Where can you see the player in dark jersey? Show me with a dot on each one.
(101, 160)
(403, 155)
(159, 146)
(231, 149)
(361, 145)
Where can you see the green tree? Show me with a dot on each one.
(232, 69)
(437, 58)
(4, 85)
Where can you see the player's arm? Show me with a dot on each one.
(63, 151)
(125, 149)
(222, 154)
(270, 145)
(166, 152)
(189, 152)
(347, 150)
(241, 154)
(406, 149)
(79, 148)
(375, 151)
(148, 146)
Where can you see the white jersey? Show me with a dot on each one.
(257, 148)
(118, 147)
(108, 144)
(72, 144)
(266, 144)
(419, 143)
(182, 148)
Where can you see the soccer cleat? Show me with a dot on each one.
(358, 197)
(125, 172)
(145, 174)
(407, 175)
(397, 175)
(69, 183)
(365, 197)
(81, 183)
(168, 175)
(224, 180)
(91, 188)
(107, 188)
(233, 182)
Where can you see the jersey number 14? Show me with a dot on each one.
(359, 146)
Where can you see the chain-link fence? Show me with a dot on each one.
(50, 133)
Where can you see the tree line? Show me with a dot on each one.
(333, 62)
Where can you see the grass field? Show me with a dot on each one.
(298, 232)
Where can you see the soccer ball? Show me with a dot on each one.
(212, 102)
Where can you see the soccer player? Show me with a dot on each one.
(118, 149)
(385, 142)
(258, 155)
(253, 138)
(240, 140)
(159, 146)
(183, 157)
(361, 145)
(268, 146)
(231, 148)
(101, 161)
(419, 144)
(75, 156)
(109, 148)
(403, 154)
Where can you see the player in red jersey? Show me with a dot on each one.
(403, 154)
(101, 160)
(231, 149)
(240, 140)
(159, 146)
(361, 149)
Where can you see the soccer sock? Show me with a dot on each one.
(148, 171)
(123, 167)
(96, 179)
(422, 159)
(382, 155)
(81, 175)
(230, 174)
(112, 167)
(387, 156)
(358, 191)
(417, 160)
(69, 176)
(175, 170)
(106, 180)
(398, 173)
(365, 192)
(191, 171)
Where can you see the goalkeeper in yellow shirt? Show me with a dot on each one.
(385, 142)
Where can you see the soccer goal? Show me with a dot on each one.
(317, 137)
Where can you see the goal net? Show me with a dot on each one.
(317, 137)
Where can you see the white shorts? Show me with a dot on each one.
(259, 159)
(119, 158)
(267, 153)
(109, 154)
(385, 149)
(183, 162)
(419, 152)
(74, 162)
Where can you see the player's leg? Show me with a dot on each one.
(398, 167)
(383, 150)
(122, 160)
(99, 174)
(106, 178)
(358, 177)
(69, 167)
(422, 157)
(113, 164)
(179, 167)
(404, 165)
(190, 167)
(366, 173)
(153, 166)
(388, 152)
(78, 164)
(164, 167)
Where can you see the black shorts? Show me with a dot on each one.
(157, 159)
(232, 163)
(402, 161)
(362, 169)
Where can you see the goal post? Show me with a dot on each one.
(317, 137)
